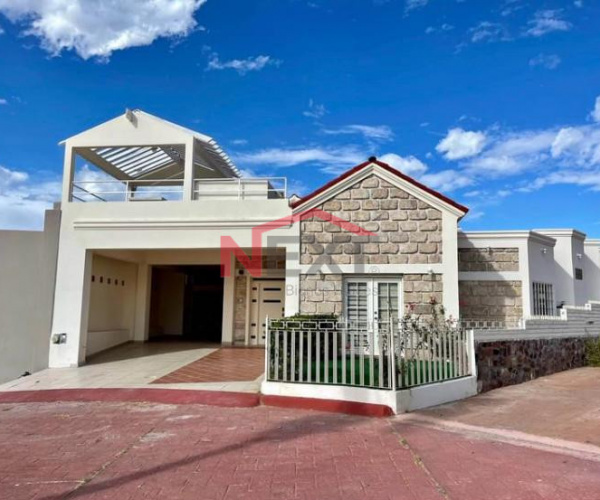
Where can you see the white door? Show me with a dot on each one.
(372, 306)
(267, 300)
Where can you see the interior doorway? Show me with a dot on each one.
(187, 303)
(203, 308)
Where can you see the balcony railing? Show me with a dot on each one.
(241, 188)
(172, 189)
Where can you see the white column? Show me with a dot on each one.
(142, 303)
(450, 264)
(292, 273)
(68, 173)
(228, 305)
(188, 174)
(71, 304)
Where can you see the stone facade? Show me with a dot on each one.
(240, 307)
(321, 294)
(491, 300)
(407, 230)
(512, 362)
(488, 259)
(421, 292)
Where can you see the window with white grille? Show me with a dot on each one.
(543, 299)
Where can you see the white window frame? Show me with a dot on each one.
(543, 299)
(372, 297)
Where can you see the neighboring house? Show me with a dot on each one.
(153, 215)
(508, 276)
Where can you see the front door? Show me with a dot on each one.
(267, 300)
(372, 306)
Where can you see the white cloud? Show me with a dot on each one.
(459, 144)
(242, 66)
(315, 110)
(239, 142)
(487, 31)
(595, 115)
(444, 27)
(547, 21)
(550, 61)
(414, 4)
(447, 180)
(3, 102)
(97, 28)
(513, 153)
(376, 133)
(334, 159)
(22, 203)
(408, 164)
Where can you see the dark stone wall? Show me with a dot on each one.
(510, 362)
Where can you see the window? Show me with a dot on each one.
(372, 299)
(543, 299)
(372, 305)
(578, 273)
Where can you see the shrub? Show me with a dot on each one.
(592, 352)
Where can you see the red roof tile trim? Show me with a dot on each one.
(390, 169)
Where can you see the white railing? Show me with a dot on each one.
(241, 188)
(133, 190)
(172, 189)
(370, 355)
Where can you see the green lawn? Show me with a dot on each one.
(409, 376)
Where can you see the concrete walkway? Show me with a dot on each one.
(135, 366)
(146, 451)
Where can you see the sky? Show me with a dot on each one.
(495, 103)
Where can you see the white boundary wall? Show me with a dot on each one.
(574, 321)
(27, 273)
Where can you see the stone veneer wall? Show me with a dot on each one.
(407, 230)
(488, 259)
(491, 300)
(509, 362)
(321, 294)
(240, 306)
(421, 291)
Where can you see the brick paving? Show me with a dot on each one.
(50, 451)
(225, 365)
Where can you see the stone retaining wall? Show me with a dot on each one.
(509, 362)
(488, 259)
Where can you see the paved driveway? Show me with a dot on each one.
(146, 451)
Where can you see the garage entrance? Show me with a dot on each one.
(186, 303)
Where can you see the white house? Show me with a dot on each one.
(160, 236)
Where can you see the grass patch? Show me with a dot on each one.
(409, 372)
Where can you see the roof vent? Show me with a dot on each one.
(372, 158)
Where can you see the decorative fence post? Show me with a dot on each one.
(267, 347)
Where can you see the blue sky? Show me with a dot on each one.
(492, 102)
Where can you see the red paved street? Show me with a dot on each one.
(146, 451)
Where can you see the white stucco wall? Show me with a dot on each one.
(591, 269)
(568, 255)
(112, 304)
(27, 271)
(164, 230)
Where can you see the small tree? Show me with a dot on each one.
(431, 332)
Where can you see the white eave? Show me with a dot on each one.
(507, 235)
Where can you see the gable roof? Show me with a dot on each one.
(391, 170)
